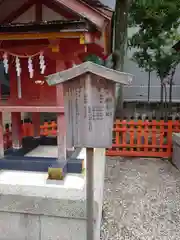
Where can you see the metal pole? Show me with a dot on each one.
(90, 192)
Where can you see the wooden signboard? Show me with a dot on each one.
(89, 107)
(89, 98)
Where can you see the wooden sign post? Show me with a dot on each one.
(89, 98)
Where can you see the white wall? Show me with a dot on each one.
(138, 91)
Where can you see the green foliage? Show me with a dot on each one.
(95, 59)
(157, 23)
(157, 14)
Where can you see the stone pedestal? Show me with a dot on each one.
(32, 208)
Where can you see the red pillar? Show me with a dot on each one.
(16, 130)
(1, 136)
(36, 123)
(61, 128)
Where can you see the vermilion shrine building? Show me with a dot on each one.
(41, 37)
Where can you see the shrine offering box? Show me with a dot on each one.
(89, 100)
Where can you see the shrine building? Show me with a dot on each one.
(38, 38)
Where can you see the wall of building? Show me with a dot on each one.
(138, 90)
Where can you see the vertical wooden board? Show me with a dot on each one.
(68, 114)
(110, 107)
(61, 141)
(82, 109)
(89, 125)
(100, 110)
(89, 107)
(74, 109)
(84, 115)
(78, 112)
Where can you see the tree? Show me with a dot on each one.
(119, 45)
(157, 24)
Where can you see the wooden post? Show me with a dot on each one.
(16, 130)
(36, 123)
(61, 132)
(1, 136)
(61, 127)
(61, 137)
(90, 193)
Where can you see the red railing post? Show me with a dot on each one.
(169, 138)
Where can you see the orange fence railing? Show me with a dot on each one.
(130, 138)
(27, 130)
(48, 129)
(143, 138)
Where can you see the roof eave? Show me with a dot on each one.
(89, 67)
(54, 26)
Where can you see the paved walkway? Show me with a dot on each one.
(142, 200)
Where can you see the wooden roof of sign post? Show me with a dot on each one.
(89, 67)
(89, 100)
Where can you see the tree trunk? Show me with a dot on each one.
(120, 37)
(170, 96)
(162, 99)
(165, 103)
(170, 90)
(149, 84)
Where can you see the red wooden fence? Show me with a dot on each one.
(130, 138)
(143, 138)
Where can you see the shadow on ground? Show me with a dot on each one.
(141, 200)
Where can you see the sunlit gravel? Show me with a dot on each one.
(141, 200)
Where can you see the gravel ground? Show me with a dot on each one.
(141, 200)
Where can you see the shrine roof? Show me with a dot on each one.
(8, 7)
(50, 26)
(89, 67)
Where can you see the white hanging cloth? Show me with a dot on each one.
(42, 63)
(5, 62)
(30, 67)
(18, 70)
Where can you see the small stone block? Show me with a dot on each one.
(55, 173)
(74, 165)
